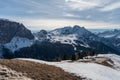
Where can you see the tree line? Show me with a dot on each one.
(76, 56)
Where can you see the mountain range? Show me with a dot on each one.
(17, 41)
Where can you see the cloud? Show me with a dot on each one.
(111, 7)
(71, 15)
(86, 4)
(70, 11)
(49, 24)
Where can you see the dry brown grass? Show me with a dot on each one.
(101, 60)
(105, 63)
(38, 71)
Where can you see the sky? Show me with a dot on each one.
(51, 14)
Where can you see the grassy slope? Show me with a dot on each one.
(38, 71)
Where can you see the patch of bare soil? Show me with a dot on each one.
(37, 71)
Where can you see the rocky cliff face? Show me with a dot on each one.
(9, 29)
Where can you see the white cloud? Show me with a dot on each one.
(54, 10)
(86, 4)
(111, 7)
(88, 17)
(71, 15)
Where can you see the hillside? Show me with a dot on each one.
(102, 67)
(34, 71)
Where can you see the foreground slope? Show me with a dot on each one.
(103, 67)
(9, 74)
(36, 71)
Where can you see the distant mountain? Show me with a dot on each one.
(10, 29)
(71, 30)
(110, 34)
(68, 41)
(67, 35)
(17, 41)
(113, 37)
(96, 31)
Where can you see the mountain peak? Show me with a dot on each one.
(77, 27)
(10, 29)
(71, 30)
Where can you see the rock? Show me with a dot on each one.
(9, 29)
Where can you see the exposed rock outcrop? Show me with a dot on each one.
(9, 29)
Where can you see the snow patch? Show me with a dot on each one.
(69, 39)
(85, 45)
(108, 36)
(17, 43)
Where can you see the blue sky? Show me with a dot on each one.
(50, 14)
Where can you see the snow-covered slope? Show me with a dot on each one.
(16, 43)
(90, 70)
(69, 39)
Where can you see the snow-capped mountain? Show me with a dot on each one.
(71, 30)
(66, 35)
(113, 37)
(78, 37)
(71, 35)
(18, 41)
(110, 34)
